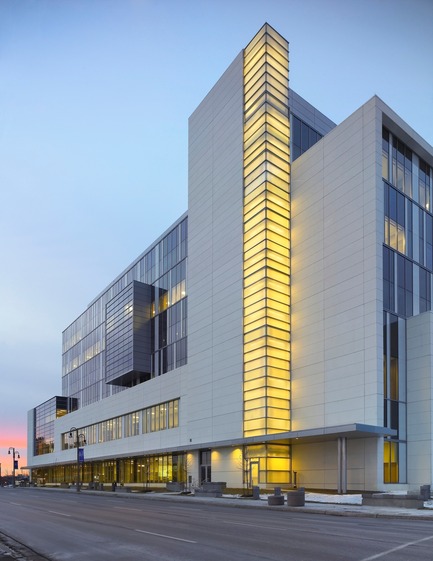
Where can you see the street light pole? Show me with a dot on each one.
(17, 454)
(77, 440)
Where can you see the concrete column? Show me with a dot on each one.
(342, 465)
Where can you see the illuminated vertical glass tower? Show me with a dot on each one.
(266, 217)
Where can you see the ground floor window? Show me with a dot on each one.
(394, 455)
(163, 468)
(267, 464)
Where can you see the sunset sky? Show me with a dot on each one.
(95, 97)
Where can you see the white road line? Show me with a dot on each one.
(125, 508)
(408, 544)
(16, 504)
(59, 513)
(164, 536)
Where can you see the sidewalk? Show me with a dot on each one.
(315, 503)
(311, 506)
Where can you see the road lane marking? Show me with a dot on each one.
(403, 546)
(59, 513)
(126, 508)
(16, 504)
(164, 536)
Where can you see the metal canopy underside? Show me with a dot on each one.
(321, 434)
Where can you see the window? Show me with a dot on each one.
(161, 417)
(424, 290)
(401, 167)
(429, 241)
(404, 286)
(388, 279)
(205, 466)
(385, 154)
(132, 424)
(302, 137)
(390, 462)
(424, 185)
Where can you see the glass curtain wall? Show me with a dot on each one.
(164, 267)
(407, 280)
(146, 470)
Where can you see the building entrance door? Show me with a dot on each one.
(254, 472)
(205, 466)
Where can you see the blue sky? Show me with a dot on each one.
(95, 97)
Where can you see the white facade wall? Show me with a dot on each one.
(158, 390)
(215, 362)
(317, 468)
(337, 216)
(420, 399)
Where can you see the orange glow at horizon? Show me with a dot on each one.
(13, 439)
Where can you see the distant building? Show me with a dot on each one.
(281, 330)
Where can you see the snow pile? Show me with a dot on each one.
(333, 499)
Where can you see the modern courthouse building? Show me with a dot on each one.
(280, 331)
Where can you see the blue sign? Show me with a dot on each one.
(15, 464)
(81, 455)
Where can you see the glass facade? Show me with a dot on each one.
(44, 417)
(407, 280)
(266, 235)
(145, 470)
(128, 335)
(84, 342)
(162, 416)
(302, 137)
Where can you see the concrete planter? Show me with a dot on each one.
(176, 487)
(210, 489)
(296, 497)
(275, 500)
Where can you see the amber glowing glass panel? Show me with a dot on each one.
(266, 235)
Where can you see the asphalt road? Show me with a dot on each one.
(86, 527)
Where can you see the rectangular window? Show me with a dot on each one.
(424, 290)
(429, 241)
(390, 462)
(388, 279)
(161, 417)
(421, 237)
(408, 279)
(385, 154)
(409, 229)
(424, 185)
